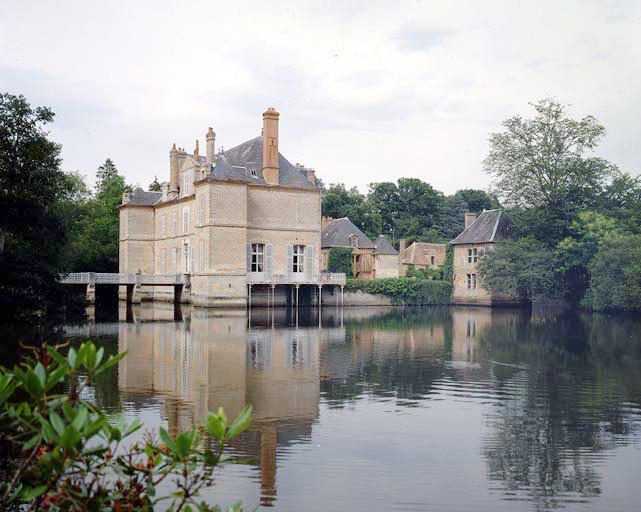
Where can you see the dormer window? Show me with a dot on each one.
(253, 172)
(353, 240)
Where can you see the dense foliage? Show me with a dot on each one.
(63, 453)
(32, 232)
(340, 260)
(570, 212)
(409, 209)
(406, 290)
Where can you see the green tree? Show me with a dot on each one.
(105, 173)
(541, 162)
(615, 274)
(95, 238)
(32, 233)
(154, 186)
(340, 260)
(522, 269)
(477, 200)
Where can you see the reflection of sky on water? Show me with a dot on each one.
(458, 409)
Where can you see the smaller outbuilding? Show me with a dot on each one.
(370, 260)
(481, 234)
(422, 255)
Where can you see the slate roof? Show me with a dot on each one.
(337, 233)
(416, 254)
(383, 246)
(245, 162)
(490, 226)
(139, 197)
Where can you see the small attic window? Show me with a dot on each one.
(253, 172)
(353, 239)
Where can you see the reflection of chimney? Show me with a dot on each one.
(270, 146)
(211, 143)
(469, 219)
(268, 444)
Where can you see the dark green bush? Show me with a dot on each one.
(340, 260)
(406, 290)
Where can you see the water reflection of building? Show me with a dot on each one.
(211, 361)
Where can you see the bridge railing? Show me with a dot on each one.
(113, 278)
(275, 279)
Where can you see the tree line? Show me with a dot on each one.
(409, 209)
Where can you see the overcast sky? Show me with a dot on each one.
(367, 91)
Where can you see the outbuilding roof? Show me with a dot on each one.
(140, 197)
(338, 233)
(383, 246)
(489, 226)
(417, 253)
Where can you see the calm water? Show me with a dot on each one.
(377, 409)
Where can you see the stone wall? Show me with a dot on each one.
(386, 265)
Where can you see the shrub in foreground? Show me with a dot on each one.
(63, 453)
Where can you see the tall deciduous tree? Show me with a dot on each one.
(31, 232)
(542, 162)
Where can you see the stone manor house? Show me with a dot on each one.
(236, 222)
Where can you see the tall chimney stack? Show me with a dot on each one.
(210, 139)
(270, 146)
(173, 169)
(469, 219)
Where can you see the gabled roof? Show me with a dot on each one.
(383, 246)
(139, 197)
(245, 162)
(490, 226)
(416, 254)
(337, 234)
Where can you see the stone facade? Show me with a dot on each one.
(481, 234)
(226, 220)
(421, 255)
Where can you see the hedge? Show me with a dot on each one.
(405, 290)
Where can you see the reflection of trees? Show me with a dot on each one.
(564, 410)
(389, 355)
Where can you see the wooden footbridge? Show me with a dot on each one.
(133, 282)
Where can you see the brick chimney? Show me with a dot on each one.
(270, 146)
(173, 169)
(210, 139)
(325, 221)
(469, 219)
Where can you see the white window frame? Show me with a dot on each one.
(472, 255)
(185, 220)
(257, 258)
(163, 226)
(163, 261)
(174, 224)
(298, 259)
(186, 182)
(174, 259)
(192, 249)
(471, 282)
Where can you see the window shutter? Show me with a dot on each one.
(249, 258)
(193, 259)
(290, 262)
(309, 262)
(202, 255)
(268, 261)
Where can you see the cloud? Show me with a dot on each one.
(416, 37)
